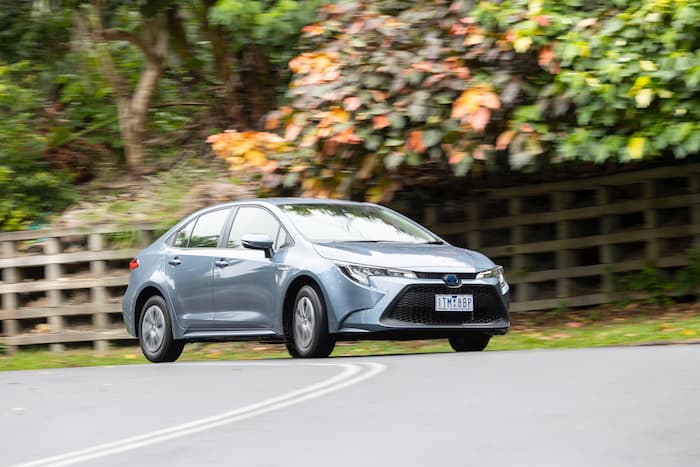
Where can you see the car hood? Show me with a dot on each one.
(424, 258)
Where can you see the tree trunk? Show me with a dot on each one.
(224, 67)
(257, 87)
(132, 138)
(180, 44)
(132, 106)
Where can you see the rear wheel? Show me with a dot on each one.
(470, 343)
(155, 332)
(308, 334)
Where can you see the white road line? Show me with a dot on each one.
(352, 374)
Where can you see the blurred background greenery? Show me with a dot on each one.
(379, 96)
(143, 110)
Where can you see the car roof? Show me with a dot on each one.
(270, 201)
(281, 201)
(260, 201)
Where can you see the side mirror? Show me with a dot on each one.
(258, 242)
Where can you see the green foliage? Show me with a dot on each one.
(398, 92)
(659, 286)
(59, 110)
(33, 30)
(86, 102)
(688, 278)
(649, 281)
(126, 239)
(275, 24)
(29, 188)
(632, 72)
(263, 37)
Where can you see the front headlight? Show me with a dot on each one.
(361, 274)
(496, 272)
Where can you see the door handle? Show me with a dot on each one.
(221, 263)
(174, 261)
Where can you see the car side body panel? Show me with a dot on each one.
(149, 274)
(242, 280)
(190, 299)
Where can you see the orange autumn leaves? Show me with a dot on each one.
(258, 150)
(315, 68)
(248, 149)
(473, 108)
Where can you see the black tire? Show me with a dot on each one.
(309, 338)
(155, 332)
(470, 343)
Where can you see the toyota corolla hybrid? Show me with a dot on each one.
(309, 272)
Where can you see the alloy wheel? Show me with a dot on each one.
(153, 328)
(304, 322)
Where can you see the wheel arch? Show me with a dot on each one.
(292, 290)
(144, 294)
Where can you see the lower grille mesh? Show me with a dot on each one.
(416, 305)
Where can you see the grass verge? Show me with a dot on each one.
(604, 326)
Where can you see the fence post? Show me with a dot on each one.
(650, 221)
(560, 202)
(515, 208)
(607, 225)
(695, 210)
(145, 237)
(98, 294)
(53, 271)
(9, 300)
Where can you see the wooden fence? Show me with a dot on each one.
(562, 244)
(64, 287)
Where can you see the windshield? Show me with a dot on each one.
(322, 223)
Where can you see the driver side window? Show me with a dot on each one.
(254, 220)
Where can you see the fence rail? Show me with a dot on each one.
(562, 243)
(566, 243)
(64, 286)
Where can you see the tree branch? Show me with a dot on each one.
(153, 67)
(104, 58)
(121, 35)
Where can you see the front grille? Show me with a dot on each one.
(441, 275)
(416, 305)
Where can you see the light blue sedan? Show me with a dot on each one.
(309, 272)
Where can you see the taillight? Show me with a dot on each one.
(133, 264)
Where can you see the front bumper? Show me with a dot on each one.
(406, 309)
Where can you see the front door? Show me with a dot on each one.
(244, 289)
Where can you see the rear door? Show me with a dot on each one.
(188, 265)
(244, 290)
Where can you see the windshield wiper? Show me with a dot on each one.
(434, 242)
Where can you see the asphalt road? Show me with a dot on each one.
(594, 407)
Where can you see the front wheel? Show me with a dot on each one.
(155, 332)
(308, 334)
(470, 343)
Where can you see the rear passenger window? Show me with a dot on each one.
(183, 235)
(208, 229)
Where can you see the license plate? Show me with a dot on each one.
(454, 303)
